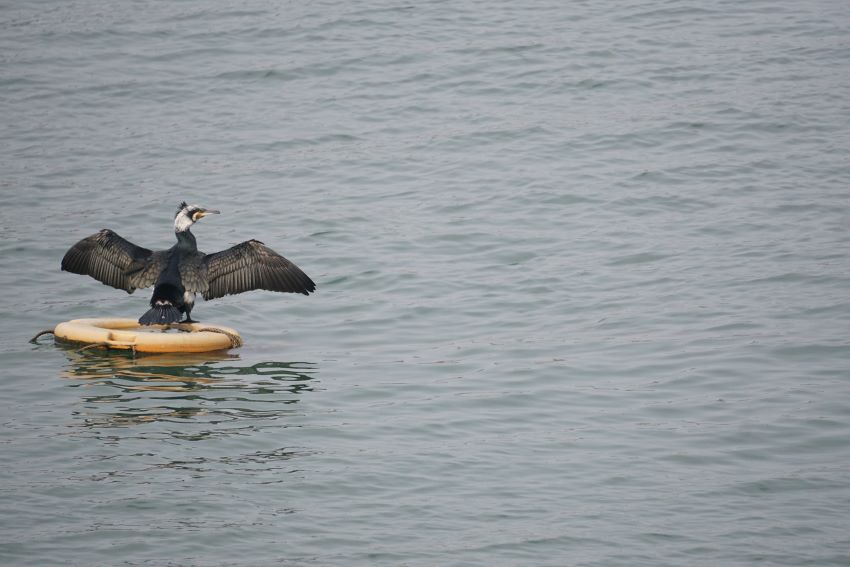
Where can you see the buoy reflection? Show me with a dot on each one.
(120, 390)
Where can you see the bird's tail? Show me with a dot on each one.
(163, 309)
(160, 314)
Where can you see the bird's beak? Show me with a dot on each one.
(205, 212)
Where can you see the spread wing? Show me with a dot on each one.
(252, 265)
(111, 260)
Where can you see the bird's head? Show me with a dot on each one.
(187, 215)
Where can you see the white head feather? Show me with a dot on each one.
(183, 220)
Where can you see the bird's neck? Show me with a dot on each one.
(186, 240)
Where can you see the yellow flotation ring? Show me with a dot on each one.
(128, 334)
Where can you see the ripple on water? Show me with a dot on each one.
(194, 391)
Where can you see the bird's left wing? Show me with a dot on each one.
(252, 265)
(112, 260)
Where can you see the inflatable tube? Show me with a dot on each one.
(129, 335)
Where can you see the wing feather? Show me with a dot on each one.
(252, 265)
(193, 272)
(114, 261)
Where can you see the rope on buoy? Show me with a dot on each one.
(93, 345)
(106, 344)
(235, 340)
(44, 332)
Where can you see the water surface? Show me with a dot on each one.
(582, 283)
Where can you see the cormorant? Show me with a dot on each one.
(180, 272)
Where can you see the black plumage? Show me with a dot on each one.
(180, 272)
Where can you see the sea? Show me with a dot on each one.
(582, 267)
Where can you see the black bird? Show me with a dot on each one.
(182, 271)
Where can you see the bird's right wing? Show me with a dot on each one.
(111, 260)
(252, 265)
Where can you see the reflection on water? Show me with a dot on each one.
(210, 388)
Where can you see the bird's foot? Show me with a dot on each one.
(188, 320)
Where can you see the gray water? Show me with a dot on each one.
(582, 279)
